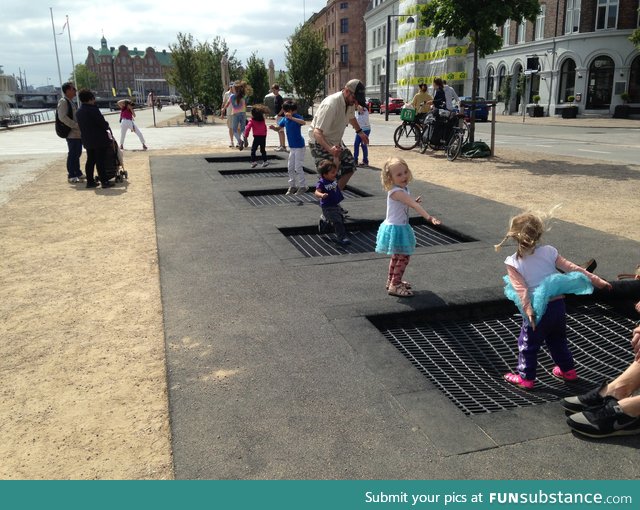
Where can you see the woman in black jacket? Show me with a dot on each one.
(93, 131)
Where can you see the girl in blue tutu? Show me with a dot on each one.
(535, 285)
(395, 235)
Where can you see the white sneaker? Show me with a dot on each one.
(73, 180)
(254, 164)
(301, 190)
(265, 164)
(291, 191)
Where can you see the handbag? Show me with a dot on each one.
(62, 130)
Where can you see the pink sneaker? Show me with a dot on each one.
(516, 380)
(569, 375)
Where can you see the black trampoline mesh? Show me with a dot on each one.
(467, 358)
(279, 196)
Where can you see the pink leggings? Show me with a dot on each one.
(397, 267)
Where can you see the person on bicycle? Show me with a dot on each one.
(422, 100)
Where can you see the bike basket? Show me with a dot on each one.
(408, 114)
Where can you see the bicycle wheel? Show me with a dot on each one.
(424, 139)
(465, 132)
(407, 136)
(454, 147)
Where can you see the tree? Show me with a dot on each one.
(183, 75)
(85, 78)
(308, 62)
(476, 19)
(635, 36)
(256, 75)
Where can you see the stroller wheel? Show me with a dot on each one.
(126, 174)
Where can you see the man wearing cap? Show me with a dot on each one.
(328, 125)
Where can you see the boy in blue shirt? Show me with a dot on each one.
(292, 123)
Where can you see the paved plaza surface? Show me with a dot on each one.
(274, 366)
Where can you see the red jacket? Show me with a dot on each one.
(259, 127)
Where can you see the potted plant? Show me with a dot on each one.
(536, 110)
(571, 111)
(622, 110)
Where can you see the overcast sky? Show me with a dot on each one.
(27, 41)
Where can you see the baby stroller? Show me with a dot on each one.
(114, 161)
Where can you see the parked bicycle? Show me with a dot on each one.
(408, 134)
(442, 131)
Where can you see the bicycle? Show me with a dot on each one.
(453, 144)
(408, 134)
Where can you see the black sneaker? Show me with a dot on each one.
(605, 421)
(582, 402)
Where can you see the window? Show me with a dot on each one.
(344, 25)
(607, 14)
(374, 39)
(540, 23)
(384, 34)
(506, 33)
(600, 83)
(567, 80)
(379, 36)
(572, 18)
(344, 5)
(344, 53)
(634, 81)
(522, 30)
(490, 82)
(501, 77)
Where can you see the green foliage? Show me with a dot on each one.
(197, 72)
(625, 97)
(257, 76)
(85, 78)
(307, 61)
(635, 36)
(536, 99)
(571, 99)
(183, 74)
(505, 91)
(285, 84)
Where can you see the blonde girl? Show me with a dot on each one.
(395, 235)
(535, 285)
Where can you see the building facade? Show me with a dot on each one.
(343, 30)
(576, 48)
(123, 70)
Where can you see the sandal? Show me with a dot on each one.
(399, 291)
(406, 285)
(516, 380)
(630, 276)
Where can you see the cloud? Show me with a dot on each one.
(260, 26)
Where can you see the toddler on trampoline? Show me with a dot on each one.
(535, 285)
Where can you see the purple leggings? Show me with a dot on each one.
(551, 329)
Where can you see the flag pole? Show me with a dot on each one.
(56, 46)
(73, 65)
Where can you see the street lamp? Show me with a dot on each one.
(387, 70)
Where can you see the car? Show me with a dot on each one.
(482, 110)
(395, 105)
(373, 104)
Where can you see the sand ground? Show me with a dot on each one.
(84, 393)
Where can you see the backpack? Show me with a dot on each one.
(476, 150)
(62, 130)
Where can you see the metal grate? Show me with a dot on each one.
(278, 196)
(363, 238)
(466, 358)
(271, 171)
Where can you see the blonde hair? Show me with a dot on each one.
(385, 175)
(527, 229)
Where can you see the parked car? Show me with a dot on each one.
(482, 110)
(373, 104)
(395, 105)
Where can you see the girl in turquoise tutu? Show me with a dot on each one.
(395, 235)
(535, 285)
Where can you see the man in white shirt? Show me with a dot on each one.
(450, 94)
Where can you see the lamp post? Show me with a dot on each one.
(385, 99)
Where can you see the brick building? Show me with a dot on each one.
(123, 69)
(343, 30)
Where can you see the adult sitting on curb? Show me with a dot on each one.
(612, 409)
(328, 125)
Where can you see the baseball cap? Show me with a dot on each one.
(357, 88)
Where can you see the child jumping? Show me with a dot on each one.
(534, 284)
(259, 127)
(395, 235)
(292, 123)
(328, 191)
